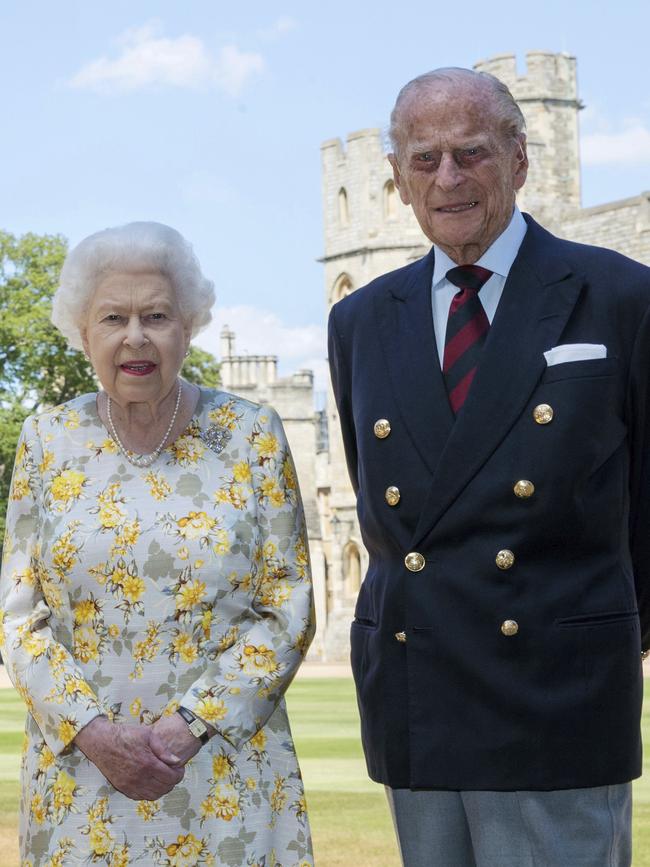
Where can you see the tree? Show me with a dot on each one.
(37, 367)
(202, 368)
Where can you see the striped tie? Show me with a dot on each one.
(467, 327)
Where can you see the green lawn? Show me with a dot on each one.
(349, 817)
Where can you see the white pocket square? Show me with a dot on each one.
(575, 352)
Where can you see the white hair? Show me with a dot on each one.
(507, 113)
(141, 246)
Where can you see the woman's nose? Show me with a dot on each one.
(135, 336)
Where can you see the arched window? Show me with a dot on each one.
(342, 287)
(344, 217)
(390, 200)
(352, 568)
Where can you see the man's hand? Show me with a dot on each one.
(171, 735)
(125, 756)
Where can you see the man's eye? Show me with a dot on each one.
(426, 157)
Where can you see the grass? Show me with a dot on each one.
(349, 817)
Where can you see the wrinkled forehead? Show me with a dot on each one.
(448, 112)
(131, 287)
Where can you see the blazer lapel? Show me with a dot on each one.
(530, 318)
(405, 326)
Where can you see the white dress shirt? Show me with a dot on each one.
(498, 258)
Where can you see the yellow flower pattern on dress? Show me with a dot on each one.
(147, 810)
(129, 592)
(66, 487)
(159, 487)
(188, 450)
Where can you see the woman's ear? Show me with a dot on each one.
(84, 342)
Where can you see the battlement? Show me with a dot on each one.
(362, 209)
(548, 77)
(256, 376)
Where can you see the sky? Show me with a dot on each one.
(209, 116)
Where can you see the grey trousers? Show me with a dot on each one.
(566, 828)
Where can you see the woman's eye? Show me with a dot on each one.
(157, 317)
(112, 317)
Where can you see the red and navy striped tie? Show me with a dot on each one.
(467, 328)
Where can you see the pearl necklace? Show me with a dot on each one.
(143, 461)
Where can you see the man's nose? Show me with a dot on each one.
(448, 175)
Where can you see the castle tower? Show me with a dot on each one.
(548, 96)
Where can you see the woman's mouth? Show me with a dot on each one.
(138, 368)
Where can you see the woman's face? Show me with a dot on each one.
(135, 336)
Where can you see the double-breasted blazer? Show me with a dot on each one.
(498, 631)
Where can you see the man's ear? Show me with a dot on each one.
(397, 177)
(521, 157)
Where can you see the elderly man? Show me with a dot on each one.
(494, 404)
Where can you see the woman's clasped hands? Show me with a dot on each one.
(142, 762)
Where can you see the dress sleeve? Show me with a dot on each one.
(241, 687)
(40, 667)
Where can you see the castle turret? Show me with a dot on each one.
(548, 97)
(367, 229)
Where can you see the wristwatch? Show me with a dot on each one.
(194, 724)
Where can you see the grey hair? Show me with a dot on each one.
(140, 246)
(508, 113)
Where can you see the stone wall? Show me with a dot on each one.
(623, 226)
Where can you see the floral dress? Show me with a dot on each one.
(127, 592)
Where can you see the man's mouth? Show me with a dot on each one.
(457, 209)
(138, 368)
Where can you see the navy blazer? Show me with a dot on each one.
(452, 702)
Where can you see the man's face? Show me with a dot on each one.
(456, 168)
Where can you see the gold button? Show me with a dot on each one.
(382, 428)
(524, 489)
(543, 414)
(414, 562)
(505, 559)
(510, 627)
(400, 636)
(392, 495)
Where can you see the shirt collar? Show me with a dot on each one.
(498, 257)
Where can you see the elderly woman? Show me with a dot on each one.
(155, 598)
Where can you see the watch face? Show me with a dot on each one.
(197, 728)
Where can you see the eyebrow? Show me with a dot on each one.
(423, 146)
(120, 305)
